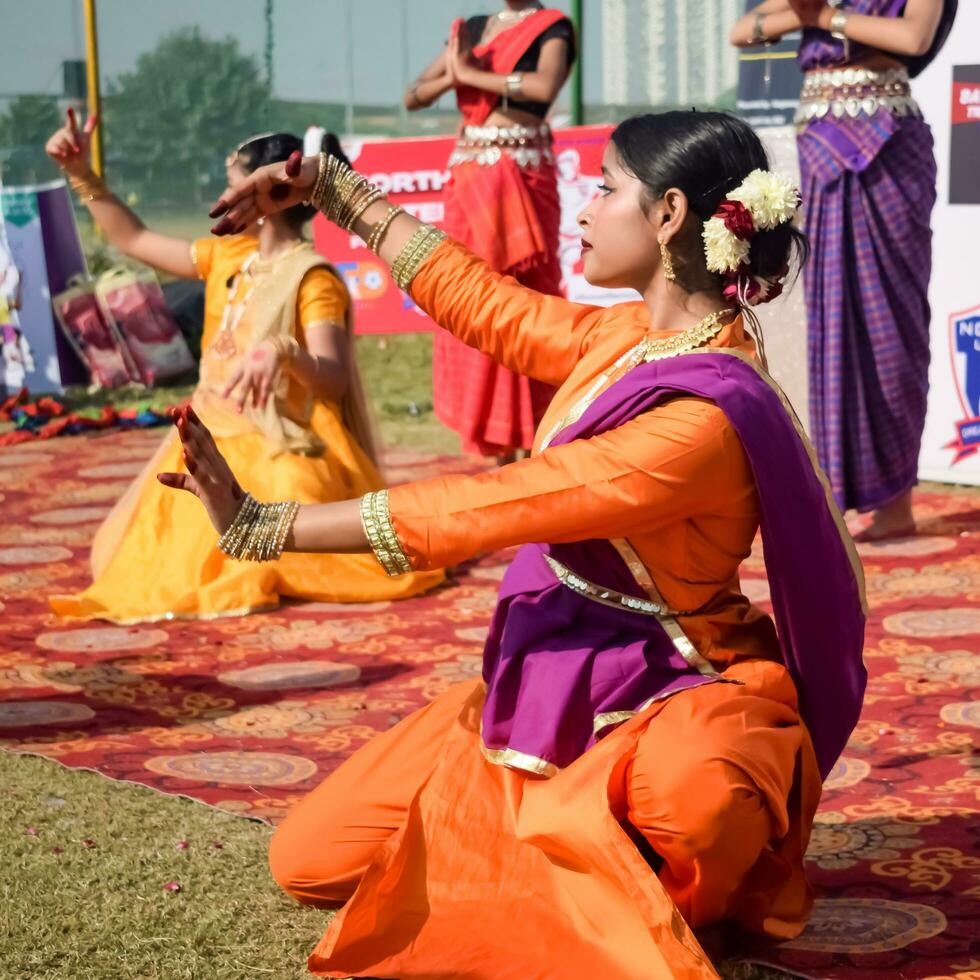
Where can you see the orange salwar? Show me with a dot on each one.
(452, 866)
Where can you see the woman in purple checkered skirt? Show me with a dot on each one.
(869, 185)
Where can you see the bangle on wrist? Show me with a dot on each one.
(89, 187)
(838, 25)
(758, 34)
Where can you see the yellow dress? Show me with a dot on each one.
(154, 557)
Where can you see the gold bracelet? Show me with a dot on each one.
(415, 251)
(90, 187)
(380, 532)
(318, 184)
(374, 195)
(341, 193)
(380, 229)
(259, 531)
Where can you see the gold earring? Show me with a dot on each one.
(665, 261)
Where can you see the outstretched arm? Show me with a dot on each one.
(674, 461)
(540, 336)
(69, 148)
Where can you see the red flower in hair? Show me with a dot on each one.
(737, 218)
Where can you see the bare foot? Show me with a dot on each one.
(894, 520)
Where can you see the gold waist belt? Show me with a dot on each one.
(527, 146)
(854, 92)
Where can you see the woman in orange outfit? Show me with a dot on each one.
(280, 389)
(643, 755)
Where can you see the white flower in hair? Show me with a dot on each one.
(723, 252)
(771, 199)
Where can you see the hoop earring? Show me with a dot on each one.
(667, 264)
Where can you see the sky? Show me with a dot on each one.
(392, 41)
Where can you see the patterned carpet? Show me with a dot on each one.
(249, 714)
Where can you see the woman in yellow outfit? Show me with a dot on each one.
(280, 390)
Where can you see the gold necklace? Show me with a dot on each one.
(645, 350)
(224, 346)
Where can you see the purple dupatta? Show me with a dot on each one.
(575, 645)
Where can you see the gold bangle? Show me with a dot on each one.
(375, 194)
(414, 253)
(380, 532)
(89, 187)
(259, 531)
(380, 229)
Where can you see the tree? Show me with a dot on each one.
(29, 120)
(24, 129)
(188, 103)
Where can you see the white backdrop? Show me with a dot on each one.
(955, 288)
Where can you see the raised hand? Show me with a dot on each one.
(209, 477)
(265, 191)
(255, 377)
(69, 147)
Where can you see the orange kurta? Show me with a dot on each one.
(155, 556)
(719, 782)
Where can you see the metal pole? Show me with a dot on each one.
(402, 111)
(92, 82)
(349, 114)
(578, 116)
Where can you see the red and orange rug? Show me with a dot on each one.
(249, 714)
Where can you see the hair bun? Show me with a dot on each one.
(749, 236)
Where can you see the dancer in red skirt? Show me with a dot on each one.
(502, 202)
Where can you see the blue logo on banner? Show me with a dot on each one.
(965, 338)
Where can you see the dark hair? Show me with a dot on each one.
(258, 151)
(705, 155)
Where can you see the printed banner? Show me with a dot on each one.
(413, 173)
(39, 249)
(949, 93)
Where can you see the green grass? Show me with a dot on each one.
(101, 912)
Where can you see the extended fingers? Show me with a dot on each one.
(72, 126)
(237, 217)
(234, 382)
(180, 481)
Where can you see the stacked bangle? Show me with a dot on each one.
(380, 229)
(259, 531)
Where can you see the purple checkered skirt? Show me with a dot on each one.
(869, 186)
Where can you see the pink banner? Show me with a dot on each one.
(413, 173)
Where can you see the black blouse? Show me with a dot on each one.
(563, 30)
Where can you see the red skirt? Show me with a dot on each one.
(508, 215)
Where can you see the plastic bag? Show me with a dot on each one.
(93, 336)
(134, 300)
